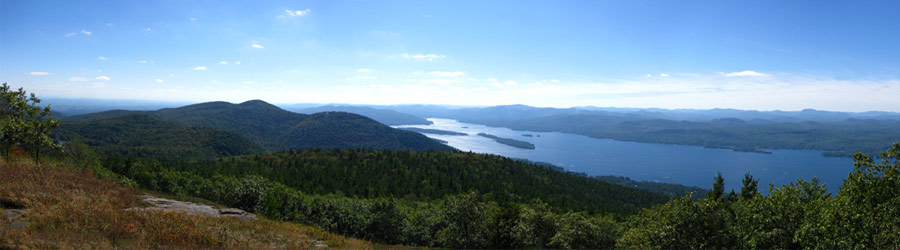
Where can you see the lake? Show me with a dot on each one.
(687, 165)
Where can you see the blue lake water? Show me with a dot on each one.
(687, 165)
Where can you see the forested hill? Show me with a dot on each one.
(427, 176)
(277, 129)
(143, 136)
(386, 116)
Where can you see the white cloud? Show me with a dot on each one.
(297, 12)
(663, 74)
(554, 81)
(78, 79)
(743, 73)
(248, 82)
(238, 62)
(101, 58)
(648, 75)
(193, 19)
(363, 70)
(38, 73)
(71, 34)
(102, 78)
(159, 80)
(200, 68)
(97, 85)
(256, 45)
(223, 62)
(142, 61)
(508, 83)
(425, 57)
(360, 77)
(447, 74)
(147, 29)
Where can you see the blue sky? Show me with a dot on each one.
(788, 55)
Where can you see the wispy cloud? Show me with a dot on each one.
(256, 45)
(200, 68)
(361, 77)
(508, 83)
(142, 61)
(363, 70)
(296, 13)
(102, 78)
(159, 80)
(223, 62)
(193, 19)
(38, 73)
(84, 32)
(447, 74)
(663, 74)
(101, 58)
(423, 57)
(78, 79)
(743, 73)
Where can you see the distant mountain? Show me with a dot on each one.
(841, 133)
(143, 136)
(386, 116)
(79, 106)
(277, 129)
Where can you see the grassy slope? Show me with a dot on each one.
(74, 209)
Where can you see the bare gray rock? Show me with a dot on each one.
(193, 208)
(15, 215)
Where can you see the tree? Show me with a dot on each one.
(749, 190)
(24, 123)
(718, 188)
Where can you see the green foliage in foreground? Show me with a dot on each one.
(426, 176)
(865, 213)
(465, 220)
(24, 124)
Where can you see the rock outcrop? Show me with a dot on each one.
(193, 208)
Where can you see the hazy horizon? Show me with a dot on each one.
(50, 100)
(766, 55)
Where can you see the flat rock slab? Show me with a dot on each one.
(15, 215)
(193, 208)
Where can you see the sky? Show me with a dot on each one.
(762, 55)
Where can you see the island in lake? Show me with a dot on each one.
(434, 131)
(510, 142)
(527, 135)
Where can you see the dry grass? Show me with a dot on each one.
(73, 209)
